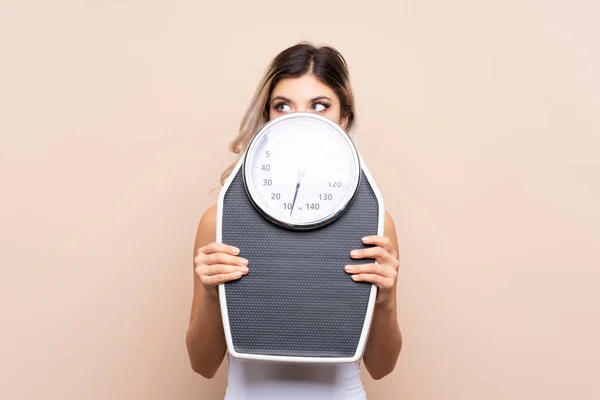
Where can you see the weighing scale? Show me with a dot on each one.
(297, 202)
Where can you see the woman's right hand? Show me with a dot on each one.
(218, 263)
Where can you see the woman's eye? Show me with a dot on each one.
(283, 107)
(319, 107)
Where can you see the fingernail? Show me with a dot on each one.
(235, 250)
(366, 238)
(237, 274)
(244, 261)
(349, 268)
(355, 277)
(244, 270)
(354, 253)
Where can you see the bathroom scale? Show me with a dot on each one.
(297, 202)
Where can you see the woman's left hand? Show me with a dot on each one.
(383, 272)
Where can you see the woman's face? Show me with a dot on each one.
(305, 94)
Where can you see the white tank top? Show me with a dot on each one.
(254, 380)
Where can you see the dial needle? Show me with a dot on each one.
(301, 173)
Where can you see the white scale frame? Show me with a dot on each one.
(372, 295)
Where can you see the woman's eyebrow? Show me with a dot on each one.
(291, 102)
(319, 98)
(282, 98)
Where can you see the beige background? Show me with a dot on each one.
(479, 121)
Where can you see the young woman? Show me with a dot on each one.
(309, 79)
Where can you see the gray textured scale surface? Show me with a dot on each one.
(296, 301)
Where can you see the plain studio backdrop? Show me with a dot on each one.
(479, 121)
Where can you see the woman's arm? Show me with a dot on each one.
(385, 339)
(384, 344)
(205, 338)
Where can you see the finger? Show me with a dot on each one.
(216, 247)
(382, 241)
(214, 280)
(218, 269)
(378, 253)
(380, 281)
(222, 258)
(377, 269)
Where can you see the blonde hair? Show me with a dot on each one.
(325, 63)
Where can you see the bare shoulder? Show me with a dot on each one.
(209, 216)
(207, 227)
(389, 228)
(389, 220)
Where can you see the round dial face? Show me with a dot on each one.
(301, 170)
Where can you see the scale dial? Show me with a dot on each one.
(301, 170)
